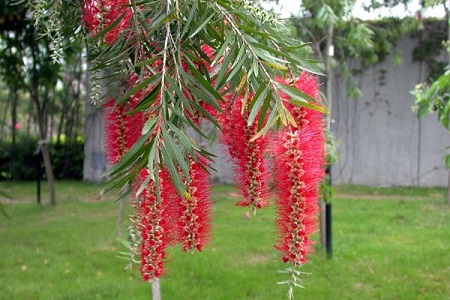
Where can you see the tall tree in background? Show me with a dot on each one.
(434, 95)
(27, 65)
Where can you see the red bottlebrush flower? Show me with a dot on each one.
(99, 14)
(194, 223)
(248, 156)
(298, 170)
(122, 129)
(155, 223)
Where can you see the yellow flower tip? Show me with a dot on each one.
(188, 196)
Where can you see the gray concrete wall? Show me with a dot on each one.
(381, 142)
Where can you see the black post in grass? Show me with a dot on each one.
(38, 180)
(328, 232)
(328, 244)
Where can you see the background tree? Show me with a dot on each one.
(26, 60)
(33, 76)
(434, 95)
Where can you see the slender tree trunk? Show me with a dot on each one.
(13, 100)
(94, 163)
(43, 143)
(30, 114)
(329, 96)
(156, 289)
(3, 122)
(48, 172)
(329, 73)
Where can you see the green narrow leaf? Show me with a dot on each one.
(309, 105)
(174, 87)
(149, 125)
(192, 11)
(139, 87)
(152, 156)
(173, 149)
(271, 120)
(257, 102)
(177, 182)
(204, 84)
(145, 183)
(188, 143)
(295, 93)
(147, 62)
(148, 100)
(229, 59)
(223, 48)
(269, 49)
(262, 115)
(201, 26)
(131, 155)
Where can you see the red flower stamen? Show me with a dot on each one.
(99, 14)
(194, 224)
(155, 223)
(247, 155)
(298, 167)
(122, 129)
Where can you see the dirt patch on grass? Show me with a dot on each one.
(386, 197)
(254, 259)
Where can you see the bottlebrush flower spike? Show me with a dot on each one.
(155, 223)
(298, 169)
(194, 223)
(247, 155)
(99, 14)
(122, 129)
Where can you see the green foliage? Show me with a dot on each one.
(435, 98)
(429, 47)
(67, 159)
(25, 165)
(251, 48)
(381, 237)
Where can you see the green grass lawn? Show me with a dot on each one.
(388, 244)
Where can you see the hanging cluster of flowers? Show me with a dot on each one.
(290, 159)
(163, 218)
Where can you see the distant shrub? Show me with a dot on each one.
(67, 159)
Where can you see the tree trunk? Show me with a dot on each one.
(156, 289)
(43, 147)
(48, 172)
(3, 121)
(13, 100)
(329, 96)
(94, 164)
